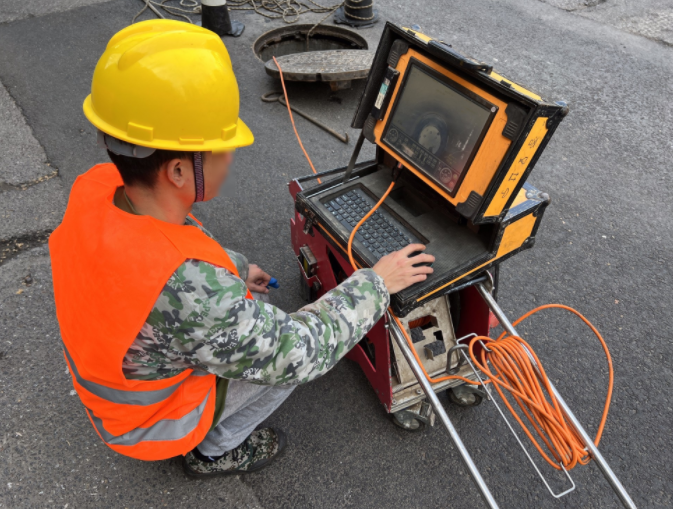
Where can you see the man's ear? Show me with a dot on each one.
(175, 172)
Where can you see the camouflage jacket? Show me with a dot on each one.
(203, 321)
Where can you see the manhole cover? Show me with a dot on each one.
(332, 66)
(332, 54)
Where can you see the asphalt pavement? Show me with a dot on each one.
(603, 247)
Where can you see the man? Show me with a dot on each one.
(168, 351)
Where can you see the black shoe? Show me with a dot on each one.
(256, 452)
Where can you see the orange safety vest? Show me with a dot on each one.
(109, 268)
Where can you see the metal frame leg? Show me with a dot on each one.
(586, 439)
(398, 336)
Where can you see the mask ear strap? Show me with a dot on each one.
(199, 182)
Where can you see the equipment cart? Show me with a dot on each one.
(455, 143)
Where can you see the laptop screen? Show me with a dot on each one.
(437, 125)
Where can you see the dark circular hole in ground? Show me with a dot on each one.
(292, 39)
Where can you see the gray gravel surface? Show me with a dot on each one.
(37, 209)
(21, 157)
(603, 248)
(12, 10)
(650, 18)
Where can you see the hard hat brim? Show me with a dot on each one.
(242, 138)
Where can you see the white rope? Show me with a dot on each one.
(287, 10)
(154, 6)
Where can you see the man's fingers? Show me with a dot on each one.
(424, 269)
(407, 250)
(257, 277)
(262, 276)
(422, 258)
(253, 287)
(263, 280)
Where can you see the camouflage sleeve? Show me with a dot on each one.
(241, 263)
(203, 320)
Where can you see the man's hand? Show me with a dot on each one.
(257, 279)
(398, 271)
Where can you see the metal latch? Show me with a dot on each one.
(308, 227)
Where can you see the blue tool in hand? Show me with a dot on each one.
(273, 283)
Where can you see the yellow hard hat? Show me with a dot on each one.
(167, 85)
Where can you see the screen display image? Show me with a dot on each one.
(438, 125)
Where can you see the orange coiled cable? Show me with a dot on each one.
(514, 372)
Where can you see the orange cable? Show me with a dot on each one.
(513, 369)
(606, 350)
(367, 216)
(289, 110)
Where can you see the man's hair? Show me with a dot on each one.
(143, 171)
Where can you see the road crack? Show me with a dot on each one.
(12, 247)
(22, 187)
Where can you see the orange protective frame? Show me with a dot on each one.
(493, 148)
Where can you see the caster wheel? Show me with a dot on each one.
(405, 421)
(464, 397)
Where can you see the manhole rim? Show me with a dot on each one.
(326, 30)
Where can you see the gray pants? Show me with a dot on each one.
(246, 406)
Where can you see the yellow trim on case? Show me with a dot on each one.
(518, 168)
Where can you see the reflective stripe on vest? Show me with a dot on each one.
(142, 398)
(164, 430)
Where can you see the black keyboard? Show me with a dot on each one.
(381, 234)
